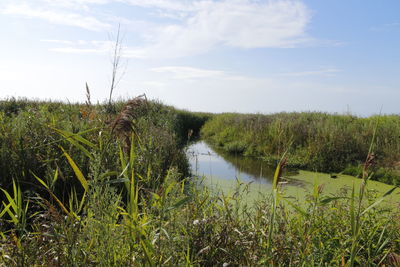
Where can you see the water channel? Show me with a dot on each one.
(222, 170)
(205, 161)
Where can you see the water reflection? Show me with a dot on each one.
(206, 161)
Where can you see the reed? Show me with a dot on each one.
(82, 199)
(321, 142)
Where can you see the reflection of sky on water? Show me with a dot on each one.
(205, 161)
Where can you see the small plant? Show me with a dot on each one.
(16, 208)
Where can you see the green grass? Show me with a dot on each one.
(316, 141)
(80, 196)
(32, 132)
(200, 227)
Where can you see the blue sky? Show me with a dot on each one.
(207, 55)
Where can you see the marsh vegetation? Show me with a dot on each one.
(86, 185)
(315, 141)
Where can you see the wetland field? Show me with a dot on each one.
(140, 183)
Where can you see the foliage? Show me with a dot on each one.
(32, 134)
(319, 141)
(197, 227)
(74, 194)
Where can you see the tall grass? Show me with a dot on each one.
(199, 227)
(32, 132)
(99, 203)
(321, 142)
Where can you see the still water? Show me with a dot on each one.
(206, 161)
(221, 170)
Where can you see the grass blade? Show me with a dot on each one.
(53, 196)
(76, 136)
(378, 201)
(76, 169)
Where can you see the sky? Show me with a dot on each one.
(250, 56)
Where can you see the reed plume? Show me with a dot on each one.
(124, 124)
(88, 101)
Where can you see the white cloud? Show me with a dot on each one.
(184, 73)
(57, 17)
(81, 46)
(54, 41)
(198, 26)
(323, 72)
(73, 50)
(171, 5)
(74, 4)
(251, 94)
(237, 23)
(187, 73)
